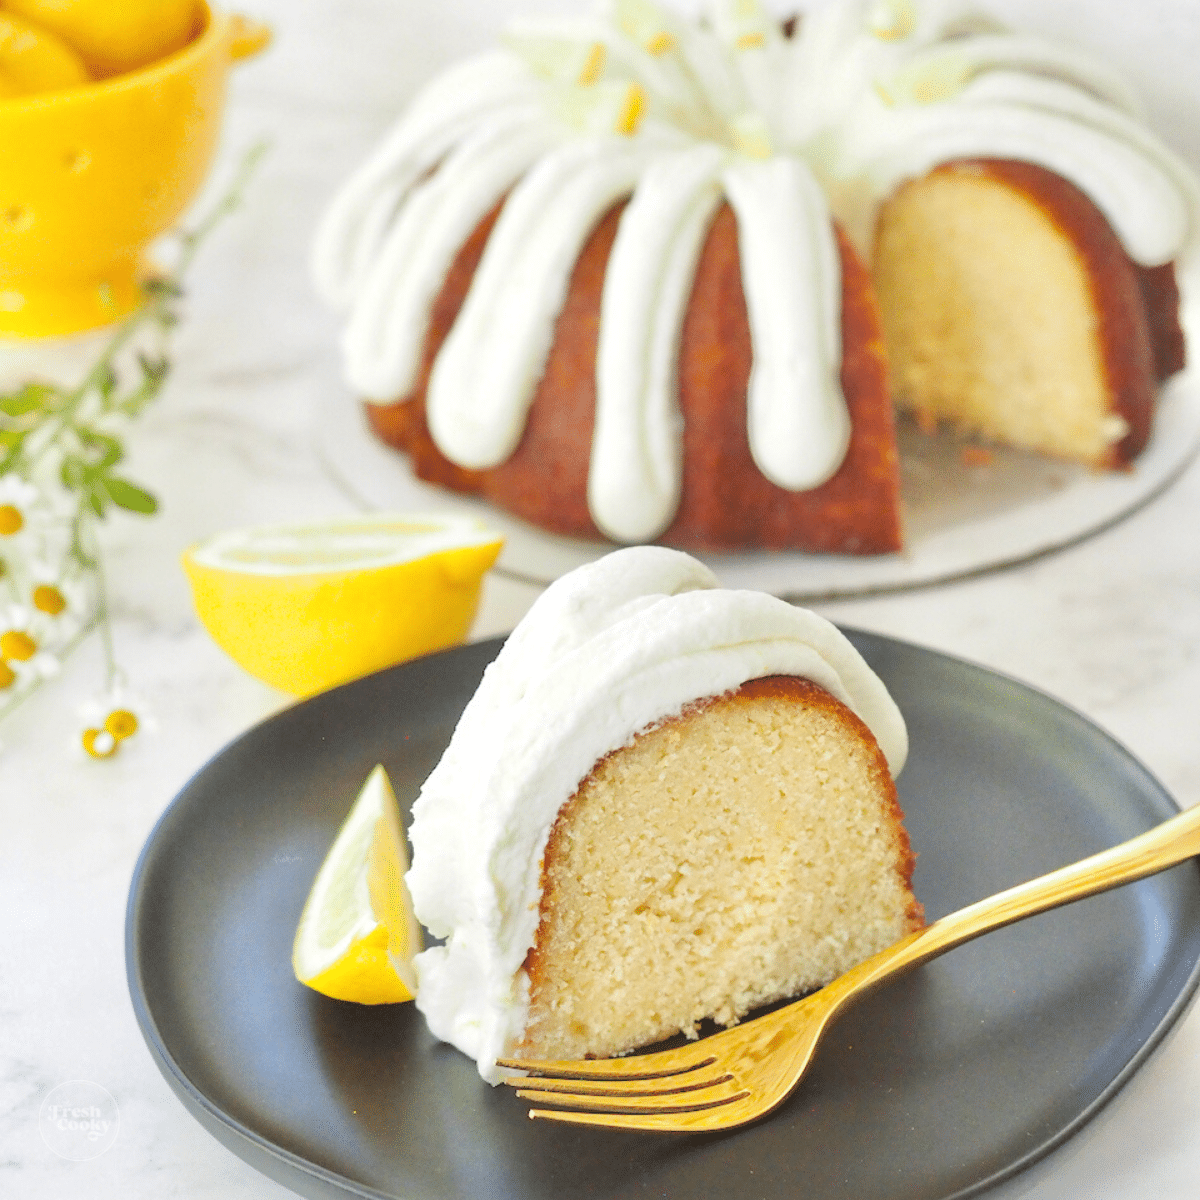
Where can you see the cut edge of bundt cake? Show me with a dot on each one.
(749, 850)
(1012, 313)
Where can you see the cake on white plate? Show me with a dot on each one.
(633, 275)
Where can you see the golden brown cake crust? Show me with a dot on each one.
(1160, 294)
(726, 503)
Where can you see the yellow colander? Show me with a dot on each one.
(91, 175)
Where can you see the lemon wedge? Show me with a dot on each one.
(114, 36)
(307, 606)
(34, 60)
(357, 934)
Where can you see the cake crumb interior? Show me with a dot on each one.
(747, 851)
(989, 317)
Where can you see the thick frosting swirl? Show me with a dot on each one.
(635, 101)
(607, 650)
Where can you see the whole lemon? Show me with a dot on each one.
(34, 60)
(115, 36)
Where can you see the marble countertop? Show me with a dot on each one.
(1111, 626)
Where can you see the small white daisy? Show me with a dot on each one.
(23, 650)
(30, 527)
(111, 719)
(23, 508)
(65, 601)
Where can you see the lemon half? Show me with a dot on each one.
(307, 606)
(357, 934)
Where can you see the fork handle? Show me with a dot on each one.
(1164, 846)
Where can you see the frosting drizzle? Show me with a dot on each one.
(637, 102)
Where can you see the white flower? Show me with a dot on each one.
(31, 527)
(64, 600)
(24, 511)
(111, 719)
(23, 653)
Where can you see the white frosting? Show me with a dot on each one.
(385, 335)
(485, 376)
(798, 424)
(351, 233)
(1122, 180)
(637, 452)
(606, 651)
(579, 113)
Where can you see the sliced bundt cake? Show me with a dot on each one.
(666, 802)
(615, 277)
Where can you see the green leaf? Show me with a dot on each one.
(33, 397)
(111, 451)
(154, 374)
(129, 496)
(72, 471)
(164, 286)
(11, 443)
(154, 369)
(106, 380)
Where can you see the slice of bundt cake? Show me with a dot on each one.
(615, 277)
(666, 802)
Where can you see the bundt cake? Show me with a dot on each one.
(634, 276)
(666, 802)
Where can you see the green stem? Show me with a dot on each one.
(65, 421)
(9, 583)
(103, 622)
(190, 240)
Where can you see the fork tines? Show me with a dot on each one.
(617, 1086)
(600, 1068)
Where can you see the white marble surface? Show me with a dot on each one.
(1111, 626)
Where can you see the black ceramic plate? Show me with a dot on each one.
(951, 1079)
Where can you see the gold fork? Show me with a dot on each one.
(741, 1074)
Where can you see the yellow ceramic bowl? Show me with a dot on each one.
(91, 175)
